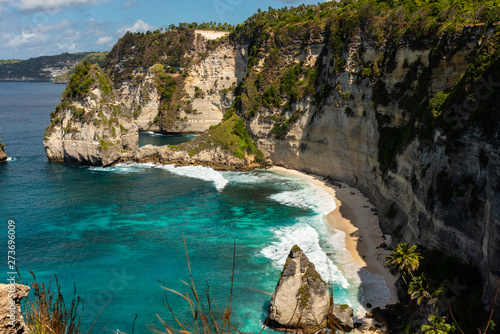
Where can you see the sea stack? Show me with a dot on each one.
(16, 323)
(301, 300)
(3, 155)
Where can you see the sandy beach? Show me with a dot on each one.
(357, 218)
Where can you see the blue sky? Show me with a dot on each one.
(31, 28)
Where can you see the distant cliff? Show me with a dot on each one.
(45, 68)
(401, 102)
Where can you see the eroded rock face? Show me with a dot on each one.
(91, 127)
(342, 316)
(342, 140)
(301, 300)
(14, 324)
(3, 155)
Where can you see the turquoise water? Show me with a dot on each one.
(157, 139)
(117, 233)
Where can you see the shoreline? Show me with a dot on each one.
(353, 215)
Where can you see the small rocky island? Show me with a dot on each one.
(301, 300)
(3, 155)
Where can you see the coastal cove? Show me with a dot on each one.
(116, 233)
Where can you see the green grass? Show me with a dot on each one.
(230, 135)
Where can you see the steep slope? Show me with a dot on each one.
(91, 125)
(371, 97)
(181, 81)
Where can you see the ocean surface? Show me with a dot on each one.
(117, 233)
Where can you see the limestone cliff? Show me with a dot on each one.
(178, 81)
(91, 125)
(384, 115)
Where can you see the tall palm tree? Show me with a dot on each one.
(404, 260)
(438, 326)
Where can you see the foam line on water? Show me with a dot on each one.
(309, 197)
(199, 172)
(196, 172)
(11, 159)
(125, 168)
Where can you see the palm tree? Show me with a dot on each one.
(438, 326)
(404, 260)
(416, 289)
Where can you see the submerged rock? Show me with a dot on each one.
(11, 318)
(301, 300)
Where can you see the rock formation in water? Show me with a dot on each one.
(400, 102)
(91, 125)
(301, 300)
(3, 155)
(11, 317)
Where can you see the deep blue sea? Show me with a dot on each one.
(117, 233)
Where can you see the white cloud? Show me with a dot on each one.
(26, 38)
(128, 4)
(49, 4)
(138, 26)
(104, 40)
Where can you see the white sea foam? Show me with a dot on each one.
(124, 168)
(310, 197)
(196, 172)
(307, 238)
(199, 172)
(256, 177)
(10, 159)
(326, 248)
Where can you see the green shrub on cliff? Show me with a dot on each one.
(80, 82)
(230, 135)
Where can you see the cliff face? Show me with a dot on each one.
(11, 318)
(406, 112)
(91, 125)
(203, 71)
(434, 179)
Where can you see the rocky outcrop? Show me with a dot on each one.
(99, 124)
(209, 149)
(216, 157)
(342, 317)
(301, 300)
(90, 126)
(3, 155)
(11, 317)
